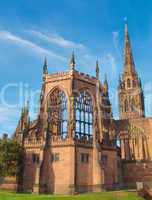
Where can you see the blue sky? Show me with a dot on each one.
(33, 29)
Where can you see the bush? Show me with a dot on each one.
(10, 157)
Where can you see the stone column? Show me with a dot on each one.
(97, 171)
(37, 178)
(36, 188)
(122, 149)
(71, 111)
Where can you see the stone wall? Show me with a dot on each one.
(110, 167)
(136, 172)
(84, 170)
(8, 183)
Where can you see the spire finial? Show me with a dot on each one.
(128, 57)
(45, 66)
(105, 80)
(97, 69)
(106, 83)
(27, 105)
(106, 88)
(72, 61)
(125, 20)
(126, 28)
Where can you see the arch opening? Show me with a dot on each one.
(58, 113)
(83, 115)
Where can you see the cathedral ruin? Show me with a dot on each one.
(72, 146)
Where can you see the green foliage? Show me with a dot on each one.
(118, 195)
(10, 157)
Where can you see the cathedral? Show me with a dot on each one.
(75, 145)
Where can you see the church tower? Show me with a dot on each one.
(131, 99)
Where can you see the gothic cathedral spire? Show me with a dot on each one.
(131, 98)
(129, 66)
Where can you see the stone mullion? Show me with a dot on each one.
(36, 188)
(98, 111)
(122, 149)
(72, 117)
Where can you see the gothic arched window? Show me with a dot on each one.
(83, 114)
(58, 112)
(128, 83)
(126, 105)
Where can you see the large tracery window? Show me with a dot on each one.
(58, 113)
(83, 115)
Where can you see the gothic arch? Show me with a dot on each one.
(57, 108)
(83, 114)
(60, 87)
(88, 91)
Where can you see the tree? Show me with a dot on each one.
(10, 157)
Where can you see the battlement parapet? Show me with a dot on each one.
(86, 77)
(68, 74)
(33, 143)
(60, 140)
(57, 76)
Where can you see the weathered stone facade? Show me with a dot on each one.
(72, 145)
(133, 128)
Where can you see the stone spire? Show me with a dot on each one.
(23, 124)
(131, 99)
(27, 106)
(129, 65)
(106, 84)
(72, 62)
(97, 69)
(45, 67)
(25, 109)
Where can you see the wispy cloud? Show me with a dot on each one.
(10, 37)
(8, 119)
(112, 62)
(115, 35)
(57, 40)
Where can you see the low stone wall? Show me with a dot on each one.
(8, 183)
(136, 172)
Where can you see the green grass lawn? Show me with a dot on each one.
(119, 195)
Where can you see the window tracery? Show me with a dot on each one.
(83, 115)
(58, 113)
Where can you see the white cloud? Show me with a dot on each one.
(9, 37)
(115, 35)
(112, 61)
(57, 40)
(8, 119)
